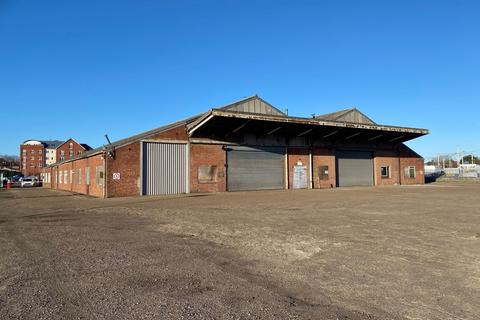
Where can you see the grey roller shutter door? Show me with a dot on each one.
(354, 168)
(164, 168)
(255, 168)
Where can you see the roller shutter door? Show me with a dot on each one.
(164, 168)
(255, 168)
(354, 168)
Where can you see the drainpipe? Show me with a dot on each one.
(311, 168)
(105, 175)
(287, 176)
(399, 168)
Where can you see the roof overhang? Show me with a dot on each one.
(228, 122)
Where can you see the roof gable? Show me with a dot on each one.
(85, 147)
(349, 115)
(253, 104)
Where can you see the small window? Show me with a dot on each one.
(323, 173)
(410, 172)
(385, 172)
(39, 151)
(65, 176)
(99, 175)
(207, 173)
(87, 175)
(32, 151)
(79, 176)
(60, 177)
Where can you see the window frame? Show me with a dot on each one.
(99, 175)
(214, 173)
(388, 171)
(408, 172)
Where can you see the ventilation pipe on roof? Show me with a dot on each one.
(109, 152)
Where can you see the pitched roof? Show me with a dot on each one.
(86, 146)
(52, 144)
(348, 115)
(83, 145)
(252, 104)
(140, 136)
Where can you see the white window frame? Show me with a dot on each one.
(389, 175)
(408, 172)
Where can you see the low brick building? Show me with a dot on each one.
(246, 145)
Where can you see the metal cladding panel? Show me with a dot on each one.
(255, 168)
(354, 168)
(164, 168)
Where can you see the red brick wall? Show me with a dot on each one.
(386, 158)
(32, 167)
(408, 157)
(324, 157)
(77, 149)
(72, 184)
(127, 164)
(295, 155)
(207, 154)
(178, 133)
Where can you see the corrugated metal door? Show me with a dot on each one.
(255, 168)
(354, 168)
(164, 168)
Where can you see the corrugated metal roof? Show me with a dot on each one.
(347, 115)
(253, 104)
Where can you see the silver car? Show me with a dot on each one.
(30, 182)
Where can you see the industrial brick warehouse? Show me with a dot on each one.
(246, 145)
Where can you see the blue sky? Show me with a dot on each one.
(85, 68)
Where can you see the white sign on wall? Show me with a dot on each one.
(116, 176)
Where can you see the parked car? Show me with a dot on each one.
(30, 182)
(17, 178)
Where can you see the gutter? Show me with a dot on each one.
(308, 121)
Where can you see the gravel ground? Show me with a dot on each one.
(353, 253)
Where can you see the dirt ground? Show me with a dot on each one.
(352, 253)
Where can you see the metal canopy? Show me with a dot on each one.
(222, 124)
